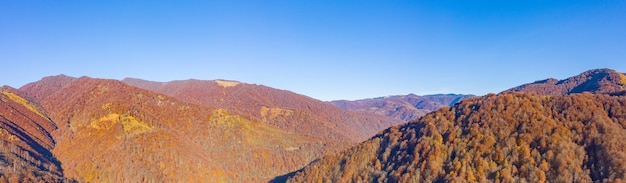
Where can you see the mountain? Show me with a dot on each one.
(600, 81)
(25, 141)
(283, 109)
(510, 137)
(47, 86)
(402, 107)
(109, 131)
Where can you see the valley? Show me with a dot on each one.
(67, 129)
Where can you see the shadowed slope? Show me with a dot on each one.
(508, 137)
(25, 141)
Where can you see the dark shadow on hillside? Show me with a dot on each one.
(283, 178)
(42, 153)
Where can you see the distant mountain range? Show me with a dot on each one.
(571, 130)
(403, 107)
(67, 129)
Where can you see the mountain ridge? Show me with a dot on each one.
(601, 81)
(282, 108)
(224, 130)
(564, 131)
(133, 119)
(403, 107)
(529, 138)
(105, 117)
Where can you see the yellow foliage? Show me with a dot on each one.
(9, 136)
(133, 126)
(253, 133)
(130, 124)
(274, 112)
(25, 103)
(106, 106)
(13, 138)
(220, 175)
(87, 172)
(622, 78)
(162, 164)
(221, 117)
(105, 122)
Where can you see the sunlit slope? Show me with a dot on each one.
(282, 109)
(110, 131)
(506, 137)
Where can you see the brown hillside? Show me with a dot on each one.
(110, 131)
(25, 141)
(505, 138)
(279, 108)
(600, 81)
(46, 86)
(402, 107)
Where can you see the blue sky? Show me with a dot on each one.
(324, 49)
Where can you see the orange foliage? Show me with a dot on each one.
(113, 132)
(503, 138)
(282, 109)
(25, 141)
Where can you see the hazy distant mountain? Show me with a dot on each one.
(25, 141)
(403, 107)
(601, 81)
(280, 108)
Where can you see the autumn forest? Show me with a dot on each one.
(82, 129)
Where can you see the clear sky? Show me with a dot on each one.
(325, 49)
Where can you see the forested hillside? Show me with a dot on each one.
(25, 141)
(282, 109)
(507, 138)
(110, 131)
